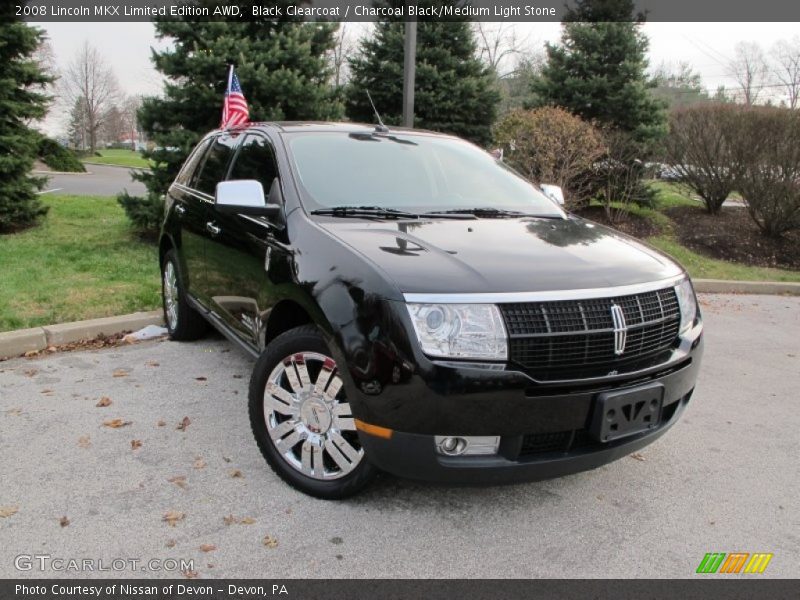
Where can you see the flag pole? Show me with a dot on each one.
(228, 89)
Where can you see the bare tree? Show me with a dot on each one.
(750, 70)
(89, 80)
(786, 57)
(343, 47)
(130, 113)
(501, 44)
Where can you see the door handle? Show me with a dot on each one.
(180, 210)
(212, 229)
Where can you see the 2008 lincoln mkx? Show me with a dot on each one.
(418, 307)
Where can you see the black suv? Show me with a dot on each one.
(418, 307)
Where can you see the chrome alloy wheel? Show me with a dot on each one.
(308, 419)
(171, 294)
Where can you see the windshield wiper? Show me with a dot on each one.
(365, 211)
(492, 213)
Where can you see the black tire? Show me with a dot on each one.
(306, 338)
(189, 324)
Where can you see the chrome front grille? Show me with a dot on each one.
(575, 339)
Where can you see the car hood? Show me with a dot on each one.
(501, 255)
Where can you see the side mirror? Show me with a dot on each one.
(246, 197)
(554, 192)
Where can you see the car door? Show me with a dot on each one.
(190, 211)
(239, 254)
(213, 170)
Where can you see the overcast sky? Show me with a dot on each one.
(706, 46)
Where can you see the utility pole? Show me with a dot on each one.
(409, 73)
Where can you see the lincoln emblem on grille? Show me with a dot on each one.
(620, 329)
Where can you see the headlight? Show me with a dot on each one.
(688, 304)
(460, 330)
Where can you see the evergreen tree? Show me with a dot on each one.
(20, 102)
(454, 91)
(282, 68)
(599, 70)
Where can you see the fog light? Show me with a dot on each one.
(468, 445)
(452, 446)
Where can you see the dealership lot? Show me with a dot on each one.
(725, 479)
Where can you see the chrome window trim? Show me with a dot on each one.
(550, 295)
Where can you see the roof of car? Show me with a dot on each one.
(328, 126)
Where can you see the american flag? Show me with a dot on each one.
(234, 109)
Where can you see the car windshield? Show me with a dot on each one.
(413, 173)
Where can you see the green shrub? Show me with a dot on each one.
(551, 145)
(59, 158)
(145, 212)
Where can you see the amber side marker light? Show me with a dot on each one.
(381, 432)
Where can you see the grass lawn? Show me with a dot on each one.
(81, 263)
(117, 156)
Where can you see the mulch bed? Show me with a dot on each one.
(732, 235)
(634, 225)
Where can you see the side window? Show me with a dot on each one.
(255, 160)
(190, 166)
(215, 166)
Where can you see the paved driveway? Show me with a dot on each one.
(100, 180)
(725, 479)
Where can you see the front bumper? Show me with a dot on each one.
(414, 456)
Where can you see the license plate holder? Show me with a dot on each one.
(622, 413)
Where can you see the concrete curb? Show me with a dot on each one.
(117, 166)
(722, 286)
(17, 343)
(40, 172)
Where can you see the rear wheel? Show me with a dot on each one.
(301, 418)
(183, 322)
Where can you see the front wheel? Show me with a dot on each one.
(301, 418)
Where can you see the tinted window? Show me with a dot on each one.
(190, 166)
(409, 172)
(255, 160)
(215, 166)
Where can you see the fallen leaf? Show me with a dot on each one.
(161, 423)
(237, 474)
(201, 378)
(237, 376)
(246, 521)
(638, 456)
(120, 373)
(270, 541)
(136, 444)
(52, 349)
(46, 391)
(183, 424)
(172, 517)
(178, 480)
(104, 401)
(199, 463)
(115, 423)
(170, 543)
(151, 363)
(30, 372)
(231, 520)
(207, 547)
(31, 353)
(7, 511)
(189, 574)
(83, 441)
(14, 412)
(226, 459)
(64, 521)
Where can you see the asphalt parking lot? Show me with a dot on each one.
(725, 479)
(99, 180)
